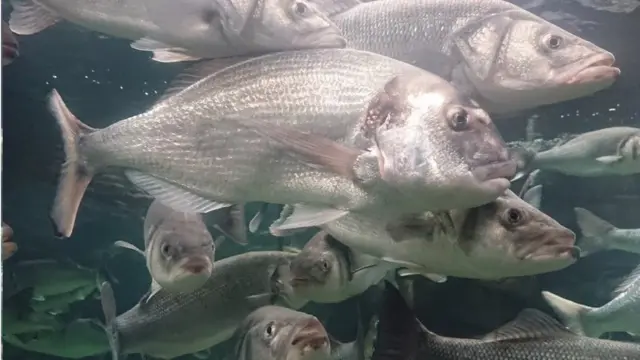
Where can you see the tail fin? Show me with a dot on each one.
(109, 310)
(74, 176)
(594, 231)
(524, 158)
(572, 314)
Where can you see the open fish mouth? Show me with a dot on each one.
(556, 248)
(197, 266)
(312, 336)
(330, 37)
(505, 169)
(594, 69)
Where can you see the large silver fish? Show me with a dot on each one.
(338, 130)
(620, 314)
(174, 324)
(179, 249)
(532, 335)
(599, 235)
(191, 29)
(507, 237)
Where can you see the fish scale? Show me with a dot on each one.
(170, 325)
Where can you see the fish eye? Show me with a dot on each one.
(300, 8)
(270, 330)
(166, 249)
(459, 120)
(554, 42)
(325, 265)
(514, 216)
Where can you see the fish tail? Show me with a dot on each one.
(594, 231)
(75, 176)
(524, 159)
(109, 310)
(572, 314)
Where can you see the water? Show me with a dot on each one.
(103, 80)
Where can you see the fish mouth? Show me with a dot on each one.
(311, 336)
(558, 247)
(504, 169)
(330, 37)
(597, 68)
(197, 266)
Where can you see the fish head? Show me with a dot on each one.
(516, 60)
(284, 334)
(509, 237)
(10, 48)
(182, 260)
(436, 145)
(629, 148)
(316, 270)
(294, 25)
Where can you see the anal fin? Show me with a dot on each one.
(304, 216)
(29, 17)
(163, 52)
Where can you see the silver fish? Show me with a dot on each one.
(505, 57)
(599, 235)
(174, 324)
(10, 47)
(532, 335)
(507, 237)
(619, 314)
(355, 131)
(14, 322)
(188, 30)
(48, 277)
(604, 152)
(274, 332)
(60, 303)
(327, 271)
(179, 249)
(81, 338)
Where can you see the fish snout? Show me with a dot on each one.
(595, 69)
(196, 266)
(312, 334)
(557, 245)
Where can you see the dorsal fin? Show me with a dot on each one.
(530, 324)
(196, 72)
(624, 286)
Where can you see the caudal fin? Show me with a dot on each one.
(75, 176)
(572, 314)
(594, 231)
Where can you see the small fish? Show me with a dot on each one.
(15, 322)
(610, 151)
(507, 237)
(599, 235)
(174, 324)
(10, 47)
(8, 247)
(81, 338)
(179, 249)
(190, 29)
(48, 277)
(382, 137)
(532, 335)
(60, 303)
(620, 314)
(327, 271)
(274, 333)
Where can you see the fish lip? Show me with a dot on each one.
(504, 169)
(593, 69)
(196, 266)
(297, 282)
(330, 37)
(556, 247)
(312, 334)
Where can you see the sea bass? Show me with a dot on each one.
(532, 335)
(191, 29)
(10, 47)
(274, 332)
(599, 234)
(175, 324)
(619, 314)
(604, 152)
(503, 56)
(504, 238)
(354, 132)
(179, 249)
(327, 271)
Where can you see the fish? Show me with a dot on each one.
(599, 234)
(605, 152)
(274, 332)
(532, 335)
(10, 46)
(15, 322)
(179, 249)
(506, 58)
(175, 324)
(327, 271)
(8, 247)
(361, 146)
(507, 237)
(48, 277)
(619, 314)
(188, 30)
(60, 303)
(78, 339)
